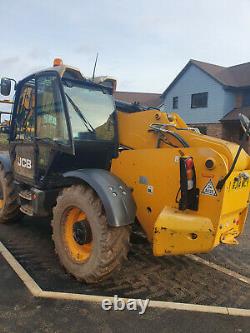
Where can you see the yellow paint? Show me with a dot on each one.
(79, 253)
(177, 233)
(229, 238)
(153, 174)
(134, 133)
(1, 204)
(6, 101)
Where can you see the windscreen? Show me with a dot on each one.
(91, 111)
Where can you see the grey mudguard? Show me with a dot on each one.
(116, 197)
(5, 161)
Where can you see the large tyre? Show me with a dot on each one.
(87, 246)
(9, 206)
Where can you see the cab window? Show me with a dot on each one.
(51, 121)
(25, 120)
(91, 111)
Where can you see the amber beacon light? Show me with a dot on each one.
(57, 62)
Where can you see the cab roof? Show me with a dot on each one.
(69, 72)
(66, 71)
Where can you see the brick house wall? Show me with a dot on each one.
(230, 132)
(210, 129)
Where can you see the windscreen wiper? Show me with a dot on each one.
(78, 111)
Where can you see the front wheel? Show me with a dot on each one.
(87, 246)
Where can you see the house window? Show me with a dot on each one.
(175, 102)
(199, 100)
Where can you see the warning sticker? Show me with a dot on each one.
(209, 189)
(150, 189)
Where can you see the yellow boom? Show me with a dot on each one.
(149, 163)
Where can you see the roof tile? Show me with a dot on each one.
(146, 99)
(234, 77)
(234, 114)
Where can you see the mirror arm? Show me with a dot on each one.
(222, 181)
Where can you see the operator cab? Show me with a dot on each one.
(61, 121)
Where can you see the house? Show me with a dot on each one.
(210, 97)
(145, 99)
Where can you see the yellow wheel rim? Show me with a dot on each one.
(78, 247)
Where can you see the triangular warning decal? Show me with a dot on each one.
(209, 189)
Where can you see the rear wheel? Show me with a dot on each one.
(86, 245)
(9, 207)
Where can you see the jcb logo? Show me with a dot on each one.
(24, 162)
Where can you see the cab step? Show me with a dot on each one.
(37, 202)
(26, 194)
(27, 209)
(26, 197)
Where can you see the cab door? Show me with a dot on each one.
(53, 130)
(41, 128)
(23, 145)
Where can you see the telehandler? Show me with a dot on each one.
(95, 166)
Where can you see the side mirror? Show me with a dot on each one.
(245, 123)
(5, 86)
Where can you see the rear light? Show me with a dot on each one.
(189, 193)
(189, 163)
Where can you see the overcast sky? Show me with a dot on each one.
(143, 44)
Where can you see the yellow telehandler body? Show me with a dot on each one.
(151, 169)
(94, 165)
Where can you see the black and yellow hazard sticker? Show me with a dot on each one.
(209, 189)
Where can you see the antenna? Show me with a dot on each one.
(93, 76)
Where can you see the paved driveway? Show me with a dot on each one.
(142, 276)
